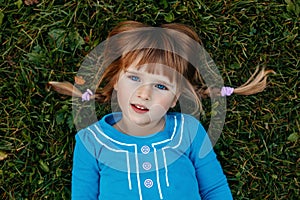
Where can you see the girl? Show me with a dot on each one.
(145, 152)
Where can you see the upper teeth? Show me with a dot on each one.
(140, 107)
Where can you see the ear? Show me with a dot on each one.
(116, 86)
(116, 80)
(174, 104)
(175, 100)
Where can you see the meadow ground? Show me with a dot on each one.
(48, 40)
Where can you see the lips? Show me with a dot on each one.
(139, 108)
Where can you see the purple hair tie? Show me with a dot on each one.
(226, 91)
(87, 95)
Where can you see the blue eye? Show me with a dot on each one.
(134, 78)
(161, 87)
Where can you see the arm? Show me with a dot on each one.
(211, 179)
(85, 173)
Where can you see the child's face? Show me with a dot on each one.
(143, 97)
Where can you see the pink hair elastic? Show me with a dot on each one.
(87, 95)
(226, 91)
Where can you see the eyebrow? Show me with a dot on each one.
(169, 84)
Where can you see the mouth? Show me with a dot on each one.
(139, 108)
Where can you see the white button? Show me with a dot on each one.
(145, 149)
(148, 183)
(147, 165)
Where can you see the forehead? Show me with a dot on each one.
(157, 70)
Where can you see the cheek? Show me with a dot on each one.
(165, 101)
(123, 87)
(123, 96)
(157, 111)
(161, 107)
(125, 93)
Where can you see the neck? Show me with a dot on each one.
(137, 130)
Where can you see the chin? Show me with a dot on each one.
(140, 122)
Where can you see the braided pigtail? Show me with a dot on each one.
(255, 84)
(67, 88)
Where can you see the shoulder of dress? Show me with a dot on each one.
(186, 118)
(87, 129)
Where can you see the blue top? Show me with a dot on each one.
(176, 163)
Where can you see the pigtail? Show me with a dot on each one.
(255, 84)
(65, 88)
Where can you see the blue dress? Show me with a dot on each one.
(176, 163)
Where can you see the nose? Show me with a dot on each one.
(144, 92)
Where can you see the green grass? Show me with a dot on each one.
(259, 147)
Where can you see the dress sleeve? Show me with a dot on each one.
(85, 173)
(211, 179)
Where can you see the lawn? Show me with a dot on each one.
(43, 40)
